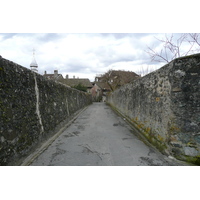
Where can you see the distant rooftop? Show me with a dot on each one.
(75, 81)
(54, 76)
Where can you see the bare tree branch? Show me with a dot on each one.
(153, 54)
(195, 37)
(173, 48)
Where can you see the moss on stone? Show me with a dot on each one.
(144, 131)
(18, 108)
(194, 160)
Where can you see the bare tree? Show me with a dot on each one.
(112, 80)
(143, 70)
(175, 47)
(116, 78)
(194, 38)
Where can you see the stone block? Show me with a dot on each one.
(190, 151)
(197, 138)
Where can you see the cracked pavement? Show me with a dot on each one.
(99, 137)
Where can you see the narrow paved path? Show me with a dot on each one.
(99, 137)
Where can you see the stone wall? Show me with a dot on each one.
(165, 107)
(31, 108)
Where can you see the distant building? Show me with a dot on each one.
(55, 76)
(72, 82)
(117, 77)
(110, 81)
(34, 64)
(99, 91)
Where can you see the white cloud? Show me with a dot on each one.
(82, 55)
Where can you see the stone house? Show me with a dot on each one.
(99, 91)
(72, 82)
(110, 81)
(55, 76)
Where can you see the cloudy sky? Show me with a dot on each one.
(80, 55)
(83, 39)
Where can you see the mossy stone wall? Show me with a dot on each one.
(31, 108)
(165, 106)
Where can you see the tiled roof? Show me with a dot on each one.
(114, 79)
(52, 76)
(103, 85)
(73, 82)
(125, 76)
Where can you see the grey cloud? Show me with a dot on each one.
(38, 37)
(124, 35)
(76, 65)
(109, 55)
(114, 58)
(116, 35)
(7, 35)
(12, 35)
(46, 37)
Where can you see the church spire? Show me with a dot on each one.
(33, 64)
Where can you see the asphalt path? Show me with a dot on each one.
(99, 137)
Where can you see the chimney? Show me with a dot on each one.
(55, 73)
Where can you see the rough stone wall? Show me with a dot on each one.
(31, 108)
(165, 107)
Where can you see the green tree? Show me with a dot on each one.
(80, 87)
